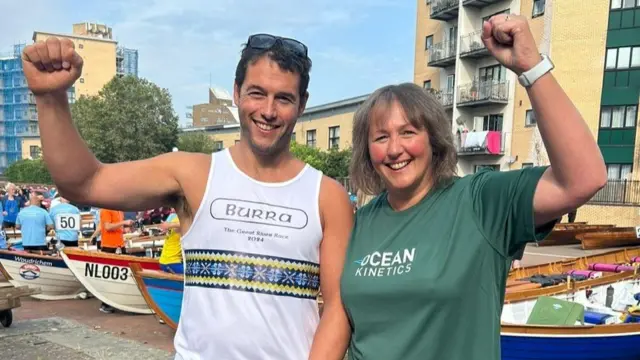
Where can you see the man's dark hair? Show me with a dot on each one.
(286, 59)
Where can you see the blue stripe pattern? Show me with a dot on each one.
(167, 295)
(603, 347)
(248, 272)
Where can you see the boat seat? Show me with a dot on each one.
(551, 311)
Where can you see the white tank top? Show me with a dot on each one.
(252, 272)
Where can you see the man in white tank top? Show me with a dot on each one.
(263, 232)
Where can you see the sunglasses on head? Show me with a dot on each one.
(267, 41)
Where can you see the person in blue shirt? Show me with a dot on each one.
(34, 222)
(11, 205)
(62, 210)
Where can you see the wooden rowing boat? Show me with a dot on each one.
(567, 235)
(620, 256)
(606, 239)
(162, 292)
(109, 278)
(48, 273)
(520, 341)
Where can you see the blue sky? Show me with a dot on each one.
(355, 45)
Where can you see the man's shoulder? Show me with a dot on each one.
(332, 188)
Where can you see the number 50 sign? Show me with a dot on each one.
(68, 222)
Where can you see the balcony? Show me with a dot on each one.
(28, 133)
(471, 46)
(476, 143)
(481, 93)
(445, 96)
(479, 3)
(442, 54)
(444, 9)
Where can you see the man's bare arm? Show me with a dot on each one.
(50, 68)
(333, 333)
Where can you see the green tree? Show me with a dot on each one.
(195, 141)
(337, 163)
(310, 155)
(333, 163)
(129, 119)
(28, 171)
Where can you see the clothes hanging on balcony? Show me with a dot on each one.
(475, 139)
(494, 140)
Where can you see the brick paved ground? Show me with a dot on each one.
(55, 338)
(143, 328)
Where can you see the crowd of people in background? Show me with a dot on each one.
(34, 211)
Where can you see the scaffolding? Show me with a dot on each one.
(18, 112)
(126, 61)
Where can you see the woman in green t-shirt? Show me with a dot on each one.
(426, 267)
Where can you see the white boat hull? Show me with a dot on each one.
(109, 278)
(49, 273)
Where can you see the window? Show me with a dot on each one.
(311, 138)
(428, 42)
(538, 8)
(616, 117)
(34, 151)
(82, 80)
(527, 165)
(618, 171)
(493, 73)
(334, 137)
(488, 123)
(530, 118)
(451, 81)
(624, 4)
(293, 136)
(623, 58)
(427, 84)
(236, 142)
(217, 146)
(81, 46)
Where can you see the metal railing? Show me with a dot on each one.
(618, 192)
(28, 133)
(443, 50)
(445, 96)
(438, 6)
(472, 43)
(489, 90)
(464, 148)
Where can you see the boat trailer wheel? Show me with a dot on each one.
(6, 318)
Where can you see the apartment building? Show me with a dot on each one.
(328, 126)
(103, 59)
(595, 46)
(220, 110)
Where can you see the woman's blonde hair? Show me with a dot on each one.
(424, 112)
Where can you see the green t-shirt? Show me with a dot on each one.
(428, 283)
